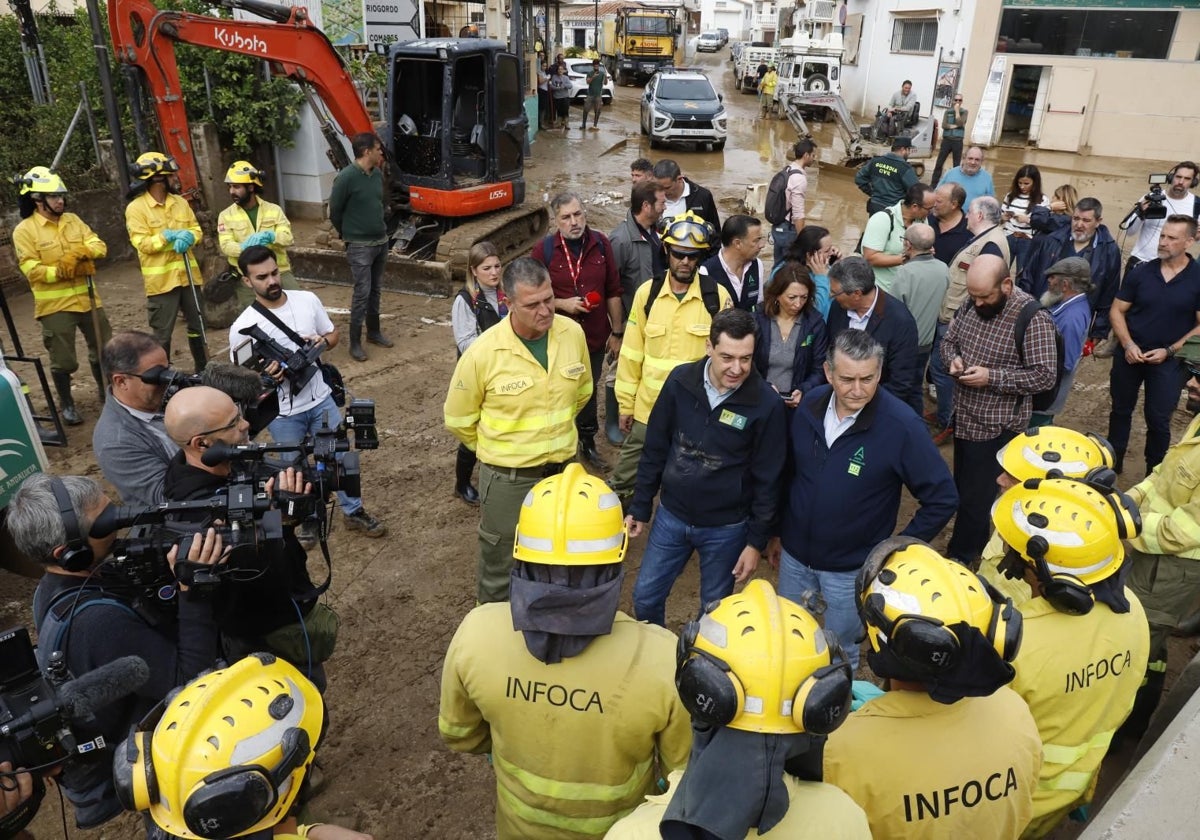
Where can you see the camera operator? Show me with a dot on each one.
(1179, 200)
(130, 441)
(250, 609)
(84, 607)
(306, 410)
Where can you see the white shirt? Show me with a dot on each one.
(678, 207)
(155, 421)
(738, 281)
(859, 322)
(1148, 230)
(306, 315)
(835, 428)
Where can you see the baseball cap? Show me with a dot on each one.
(1190, 352)
(902, 143)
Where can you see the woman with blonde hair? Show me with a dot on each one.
(479, 305)
(1045, 220)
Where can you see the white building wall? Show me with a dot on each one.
(733, 15)
(880, 72)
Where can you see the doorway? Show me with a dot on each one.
(1021, 106)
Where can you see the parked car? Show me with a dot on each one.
(709, 42)
(724, 33)
(577, 72)
(680, 106)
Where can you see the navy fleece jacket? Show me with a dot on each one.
(843, 500)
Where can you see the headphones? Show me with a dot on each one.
(714, 695)
(1186, 164)
(77, 554)
(925, 645)
(1065, 592)
(226, 803)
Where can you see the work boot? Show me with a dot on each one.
(1119, 461)
(199, 352)
(375, 335)
(98, 375)
(463, 465)
(1189, 626)
(356, 349)
(612, 417)
(360, 520)
(588, 454)
(66, 404)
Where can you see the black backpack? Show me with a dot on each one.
(1044, 399)
(775, 207)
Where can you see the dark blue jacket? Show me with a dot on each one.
(892, 325)
(1106, 265)
(714, 466)
(752, 289)
(1043, 220)
(807, 370)
(842, 501)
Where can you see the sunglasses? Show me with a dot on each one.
(694, 256)
(1192, 369)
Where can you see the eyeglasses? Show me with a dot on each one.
(839, 294)
(693, 256)
(1192, 370)
(237, 419)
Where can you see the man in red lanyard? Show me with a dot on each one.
(587, 287)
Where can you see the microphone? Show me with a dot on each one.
(83, 696)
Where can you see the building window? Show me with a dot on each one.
(1104, 33)
(914, 35)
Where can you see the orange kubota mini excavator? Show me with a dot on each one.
(455, 119)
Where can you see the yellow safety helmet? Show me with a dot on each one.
(41, 180)
(1055, 452)
(689, 232)
(150, 164)
(1067, 527)
(243, 172)
(228, 755)
(761, 663)
(909, 596)
(571, 519)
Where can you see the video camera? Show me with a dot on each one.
(255, 393)
(298, 364)
(1155, 200)
(37, 709)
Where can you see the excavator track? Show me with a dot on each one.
(514, 233)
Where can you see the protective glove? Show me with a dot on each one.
(185, 239)
(266, 237)
(85, 268)
(170, 234)
(65, 269)
(81, 252)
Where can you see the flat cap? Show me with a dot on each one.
(1075, 267)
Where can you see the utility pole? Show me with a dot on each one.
(112, 116)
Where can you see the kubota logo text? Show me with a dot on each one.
(239, 42)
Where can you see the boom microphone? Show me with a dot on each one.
(83, 696)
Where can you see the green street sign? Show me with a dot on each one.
(21, 453)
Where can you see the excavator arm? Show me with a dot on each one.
(145, 37)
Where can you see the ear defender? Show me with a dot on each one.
(77, 554)
(709, 690)
(133, 772)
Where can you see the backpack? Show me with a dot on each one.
(708, 292)
(775, 208)
(1044, 399)
(68, 604)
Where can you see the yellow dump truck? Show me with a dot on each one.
(637, 42)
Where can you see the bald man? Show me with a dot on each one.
(920, 284)
(994, 381)
(252, 614)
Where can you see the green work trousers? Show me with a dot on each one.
(501, 492)
(624, 477)
(1167, 587)
(164, 309)
(58, 336)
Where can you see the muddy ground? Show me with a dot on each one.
(402, 597)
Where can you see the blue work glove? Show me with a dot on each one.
(170, 235)
(861, 692)
(266, 237)
(184, 240)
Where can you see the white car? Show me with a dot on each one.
(709, 42)
(577, 72)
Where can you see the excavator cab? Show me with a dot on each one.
(457, 127)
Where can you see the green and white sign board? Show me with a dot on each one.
(21, 453)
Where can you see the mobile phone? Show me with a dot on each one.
(957, 374)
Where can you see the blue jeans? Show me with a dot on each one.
(837, 588)
(782, 235)
(671, 544)
(916, 396)
(942, 380)
(294, 428)
(366, 269)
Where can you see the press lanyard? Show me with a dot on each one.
(573, 268)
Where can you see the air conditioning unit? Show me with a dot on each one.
(818, 10)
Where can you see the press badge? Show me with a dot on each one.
(730, 419)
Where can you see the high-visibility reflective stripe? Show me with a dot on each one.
(452, 730)
(172, 266)
(632, 355)
(625, 387)
(573, 791)
(1072, 781)
(463, 421)
(546, 545)
(1059, 754)
(526, 423)
(55, 294)
(538, 446)
(664, 364)
(1157, 665)
(594, 826)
